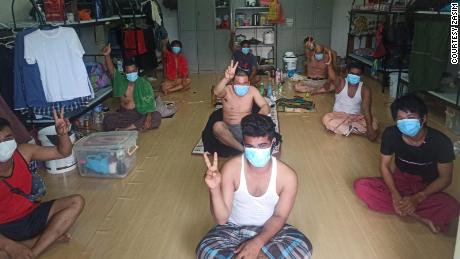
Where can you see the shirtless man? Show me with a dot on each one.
(237, 103)
(28, 227)
(251, 199)
(316, 68)
(137, 101)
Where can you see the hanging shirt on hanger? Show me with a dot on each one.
(59, 55)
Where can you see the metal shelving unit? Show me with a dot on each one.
(389, 17)
(257, 32)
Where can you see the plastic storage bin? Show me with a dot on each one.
(453, 120)
(107, 154)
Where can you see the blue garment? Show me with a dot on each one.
(28, 88)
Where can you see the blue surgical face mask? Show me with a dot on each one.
(353, 79)
(176, 50)
(245, 51)
(409, 127)
(133, 76)
(258, 157)
(319, 56)
(241, 90)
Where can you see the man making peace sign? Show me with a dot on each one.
(251, 199)
(237, 100)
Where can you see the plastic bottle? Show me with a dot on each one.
(98, 117)
(262, 89)
(277, 76)
(119, 65)
(269, 90)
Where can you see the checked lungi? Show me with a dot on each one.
(221, 242)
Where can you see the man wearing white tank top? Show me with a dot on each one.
(352, 108)
(251, 199)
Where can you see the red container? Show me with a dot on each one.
(54, 10)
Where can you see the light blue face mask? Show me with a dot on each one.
(353, 79)
(241, 90)
(133, 76)
(409, 127)
(319, 56)
(245, 51)
(176, 50)
(258, 157)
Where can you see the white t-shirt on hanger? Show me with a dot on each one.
(59, 55)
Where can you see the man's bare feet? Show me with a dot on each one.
(64, 238)
(186, 87)
(17, 250)
(435, 229)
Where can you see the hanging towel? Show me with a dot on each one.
(430, 49)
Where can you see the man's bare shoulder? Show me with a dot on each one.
(286, 172)
(232, 165)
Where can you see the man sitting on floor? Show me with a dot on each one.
(423, 158)
(316, 69)
(137, 107)
(176, 68)
(237, 101)
(352, 98)
(38, 224)
(247, 62)
(251, 201)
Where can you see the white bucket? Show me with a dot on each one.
(290, 61)
(269, 37)
(58, 166)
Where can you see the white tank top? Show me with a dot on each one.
(343, 102)
(248, 210)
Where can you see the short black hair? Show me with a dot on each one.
(176, 43)
(129, 62)
(4, 123)
(307, 38)
(244, 42)
(258, 125)
(240, 72)
(356, 65)
(409, 103)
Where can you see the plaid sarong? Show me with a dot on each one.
(223, 240)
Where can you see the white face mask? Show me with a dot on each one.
(7, 149)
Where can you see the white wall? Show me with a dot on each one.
(21, 11)
(340, 22)
(170, 21)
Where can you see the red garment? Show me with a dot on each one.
(176, 65)
(129, 42)
(440, 208)
(14, 206)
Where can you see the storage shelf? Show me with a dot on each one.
(370, 63)
(252, 8)
(376, 12)
(432, 12)
(256, 27)
(88, 22)
(261, 45)
(99, 96)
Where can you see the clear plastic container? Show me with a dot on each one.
(107, 154)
